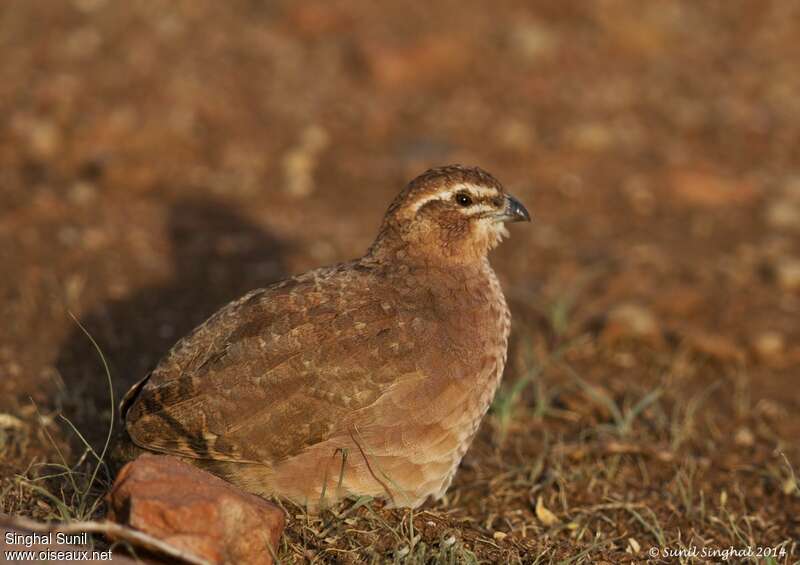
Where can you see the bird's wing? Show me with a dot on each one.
(281, 369)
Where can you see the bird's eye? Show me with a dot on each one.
(463, 199)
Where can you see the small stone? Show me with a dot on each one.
(592, 136)
(632, 321)
(680, 301)
(499, 536)
(533, 41)
(784, 214)
(516, 134)
(788, 274)
(43, 136)
(708, 190)
(318, 19)
(713, 345)
(428, 60)
(82, 192)
(769, 346)
(194, 511)
(744, 437)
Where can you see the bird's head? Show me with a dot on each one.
(450, 214)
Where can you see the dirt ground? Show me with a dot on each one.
(158, 159)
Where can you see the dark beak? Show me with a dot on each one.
(515, 211)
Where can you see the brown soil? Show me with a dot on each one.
(158, 159)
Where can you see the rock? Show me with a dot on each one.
(787, 272)
(769, 346)
(591, 136)
(533, 41)
(516, 135)
(317, 19)
(195, 511)
(428, 60)
(744, 437)
(784, 214)
(82, 192)
(680, 301)
(713, 345)
(631, 321)
(43, 137)
(707, 190)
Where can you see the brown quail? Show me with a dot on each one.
(366, 378)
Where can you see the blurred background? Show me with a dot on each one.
(158, 159)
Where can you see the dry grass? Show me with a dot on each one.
(144, 184)
(566, 469)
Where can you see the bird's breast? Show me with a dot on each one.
(472, 343)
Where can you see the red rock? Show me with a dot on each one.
(195, 511)
(316, 19)
(428, 60)
(680, 301)
(708, 190)
(712, 345)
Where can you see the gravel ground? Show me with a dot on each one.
(158, 159)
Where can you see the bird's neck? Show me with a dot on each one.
(454, 272)
(392, 247)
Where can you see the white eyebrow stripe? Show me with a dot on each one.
(479, 191)
(480, 208)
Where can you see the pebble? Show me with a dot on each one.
(784, 214)
(744, 437)
(713, 345)
(533, 41)
(788, 273)
(769, 345)
(708, 190)
(629, 320)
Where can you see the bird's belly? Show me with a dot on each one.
(468, 425)
(453, 418)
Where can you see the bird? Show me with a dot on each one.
(366, 378)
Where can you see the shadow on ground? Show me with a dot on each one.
(217, 256)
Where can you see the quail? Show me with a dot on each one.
(366, 378)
